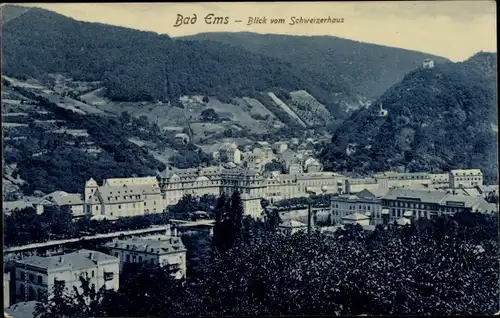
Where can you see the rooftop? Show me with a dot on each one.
(403, 221)
(21, 310)
(63, 198)
(80, 259)
(161, 244)
(466, 172)
(293, 224)
(356, 217)
(373, 193)
(422, 195)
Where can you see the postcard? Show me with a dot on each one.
(250, 159)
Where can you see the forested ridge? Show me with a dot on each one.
(438, 119)
(367, 69)
(50, 162)
(137, 65)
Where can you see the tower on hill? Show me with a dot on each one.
(428, 63)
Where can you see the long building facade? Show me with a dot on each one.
(175, 183)
(429, 204)
(121, 197)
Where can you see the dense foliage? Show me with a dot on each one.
(138, 65)
(438, 119)
(367, 69)
(314, 200)
(188, 204)
(228, 222)
(448, 266)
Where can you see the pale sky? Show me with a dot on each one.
(452, 29)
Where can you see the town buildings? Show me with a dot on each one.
(161, 250)
(429, 204)
(231, 153)
(394, 179)
(345, 205)
(215, 180)
(287, 186)
(122, 197)
(176, 183)
(466, 178)
(35, 276)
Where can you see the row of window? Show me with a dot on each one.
(353, 207)
(409, 205)
(468, 179)
(409, 177)
(135, 259)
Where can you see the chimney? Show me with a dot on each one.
(175, 232)
(61, 259)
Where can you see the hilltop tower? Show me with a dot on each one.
(382, 112)
(428, 63)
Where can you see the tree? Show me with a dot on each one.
(228, 222)
(125, 117)
(449, 269)
(236, 214)
(272, 217)
(209, 115)
(220, 233)
(85, 303)
(275, 166)
(183, 209)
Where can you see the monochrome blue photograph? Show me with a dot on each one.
(250, 159)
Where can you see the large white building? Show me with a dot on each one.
(287, 186)
(251, 205)
(466, 178)
(410, 179)
(215, 180)
(345, 205)
(161, 250)
(36, 276)
(176, 183)
(430, 204)
(123, 197)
